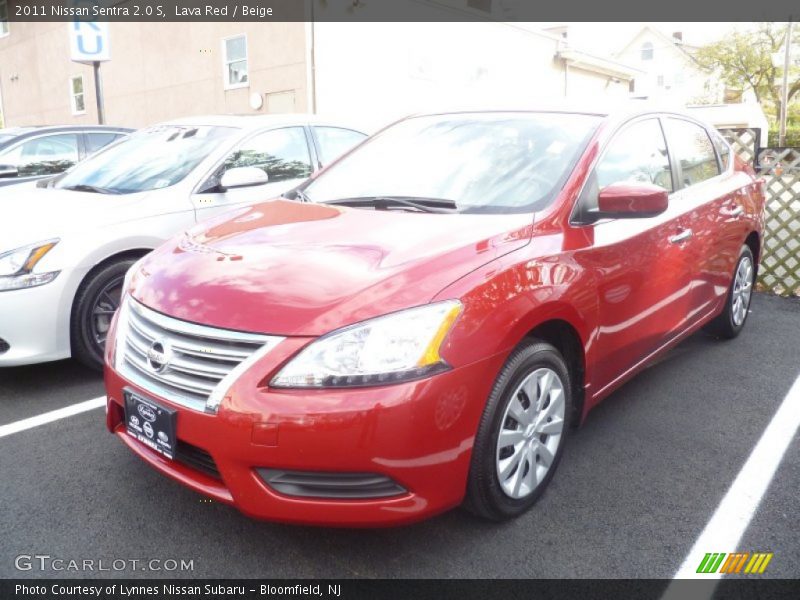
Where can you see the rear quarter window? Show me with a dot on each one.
(97, 140)
(723, 150)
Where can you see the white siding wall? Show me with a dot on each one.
(383, 71)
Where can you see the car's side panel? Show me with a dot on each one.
(622, 284)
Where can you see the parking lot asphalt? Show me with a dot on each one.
(637, 484)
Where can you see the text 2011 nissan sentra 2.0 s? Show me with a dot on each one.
(421, 324)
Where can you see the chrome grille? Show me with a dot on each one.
(189, 364)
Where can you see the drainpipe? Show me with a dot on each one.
(312, 74)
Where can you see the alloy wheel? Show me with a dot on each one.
(742, 289)
(530, 433)
(103, 307)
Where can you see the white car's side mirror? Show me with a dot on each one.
(243, 177)
(8, 171)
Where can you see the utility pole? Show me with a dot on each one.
(98, 93)
(785, 91)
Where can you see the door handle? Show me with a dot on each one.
(680, 237)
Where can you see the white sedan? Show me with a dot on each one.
(65, 247)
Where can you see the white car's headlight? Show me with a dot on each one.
(16, 267)
(398, 347)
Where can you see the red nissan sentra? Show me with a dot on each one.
(423, 322)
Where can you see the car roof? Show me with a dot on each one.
(252, 122)
(39, 129)
(13, 135)
(611, 109)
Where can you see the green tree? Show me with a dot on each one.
(743, 59)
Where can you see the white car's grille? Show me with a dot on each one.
(189, 364)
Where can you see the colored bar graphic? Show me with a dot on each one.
(710, 562)
(759, 562)
(717, 562)
(703, 568)
(733, 564)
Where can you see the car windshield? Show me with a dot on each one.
(147, 160)
(478, 162)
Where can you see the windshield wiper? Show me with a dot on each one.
(432, 205)
(83, 187)
(296, 194)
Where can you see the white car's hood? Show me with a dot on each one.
(29, 214)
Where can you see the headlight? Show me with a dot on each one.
(16, 267)
(398, 347)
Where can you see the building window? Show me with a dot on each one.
(77, 99)
(647, 51)
(234, 55)
(660, 81)
(3, 18)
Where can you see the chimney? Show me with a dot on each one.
(677, 37)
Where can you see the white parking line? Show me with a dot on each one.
(733, 515)
(53, 415)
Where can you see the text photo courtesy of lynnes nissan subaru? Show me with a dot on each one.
(387, 299)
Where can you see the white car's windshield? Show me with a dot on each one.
(149, 159)
(477, 162)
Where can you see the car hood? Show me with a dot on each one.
(32, 214)
(289, 268)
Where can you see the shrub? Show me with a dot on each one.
(792, 137)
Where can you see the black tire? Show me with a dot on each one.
(725, 324)
(485, 495)
(100, 291)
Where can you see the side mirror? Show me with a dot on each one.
(8, 171)
(243, 177)
(631, 200)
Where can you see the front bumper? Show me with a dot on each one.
(34, 322)
(418, 434)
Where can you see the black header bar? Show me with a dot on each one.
(400, 10)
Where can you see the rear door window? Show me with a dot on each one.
(693, 150)
(46, 155)
(335, 141)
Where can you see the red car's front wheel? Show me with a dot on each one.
(521, 435)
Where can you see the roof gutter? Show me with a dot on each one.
(595, 64)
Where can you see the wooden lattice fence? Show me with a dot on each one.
(780, 168)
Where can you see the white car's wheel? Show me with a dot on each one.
(95, 304)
